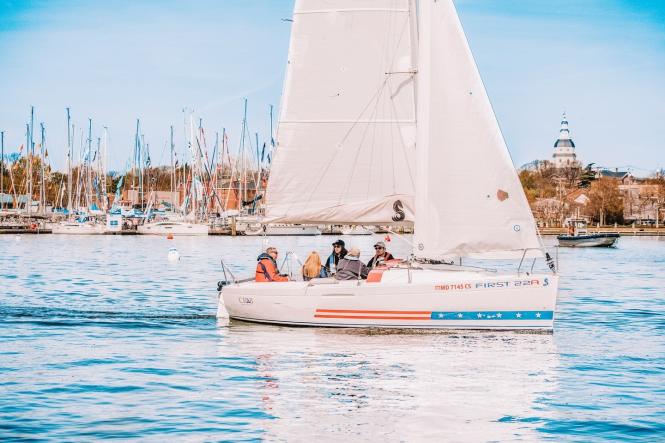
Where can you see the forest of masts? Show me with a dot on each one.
(202, 178)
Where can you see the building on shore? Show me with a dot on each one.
(564, 155)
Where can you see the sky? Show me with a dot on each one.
(600, 61)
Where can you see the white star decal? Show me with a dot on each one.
(440, 315)
(480, 315)
(459, 315)
(518, 315)
(498, 315)
(538, 314)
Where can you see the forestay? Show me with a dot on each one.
(469, 201)
(346, 135)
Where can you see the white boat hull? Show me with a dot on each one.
(434, 299)
(356, 230)
(77, 229)
(173, 228)
(283, 230)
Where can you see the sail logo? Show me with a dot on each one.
(399, 211)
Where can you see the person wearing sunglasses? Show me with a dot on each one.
(338, 253)
(266, 268)
(380, 255)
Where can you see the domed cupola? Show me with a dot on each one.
(564, 148)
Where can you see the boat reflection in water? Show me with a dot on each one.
(388, 386)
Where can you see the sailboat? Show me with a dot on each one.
(385, 121)
(356, 230)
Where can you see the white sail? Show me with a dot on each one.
(346, 135)
(469, 201)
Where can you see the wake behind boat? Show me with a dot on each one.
(357, 78)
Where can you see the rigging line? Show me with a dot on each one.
(399, 40)
(360, 145)
(392, 146)
(404, 147)
(369, 182)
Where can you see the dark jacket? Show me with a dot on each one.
(351, 269)
(374, 262)
(335, 258)
(266, 269)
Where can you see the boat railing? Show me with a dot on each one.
(552, 263)
(227, 273)
(288, 262)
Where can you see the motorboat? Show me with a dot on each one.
(172, 227)
(579, 236)
(357, 77)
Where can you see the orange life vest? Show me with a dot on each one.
(267, 272)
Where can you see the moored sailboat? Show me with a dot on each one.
(173, 227)
(369, 88)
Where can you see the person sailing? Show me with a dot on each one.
(313, 267)
(380, 255)
(338, 253)
(350, 267)
(266, 268)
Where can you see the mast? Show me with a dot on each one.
(99, 171)
(69, 162)
(172, 167)
(135, 157)
(142, 171)
(192, 166)
(30, 152)
(243, 171)
(257, 180)
(89, 165)
(2, 169)
(42, 190)
(214, 162)
(104, 168)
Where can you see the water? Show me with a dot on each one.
(104, 338)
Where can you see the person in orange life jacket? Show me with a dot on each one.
(338, 253)
(266, 268)
(380, 255)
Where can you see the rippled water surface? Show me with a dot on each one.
(101, 337)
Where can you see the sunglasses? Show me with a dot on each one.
(274, 252)
(379, 247)
(338, 246)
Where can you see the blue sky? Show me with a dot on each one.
(603, 62)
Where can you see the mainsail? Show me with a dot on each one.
(469, 201)
(346, 135)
